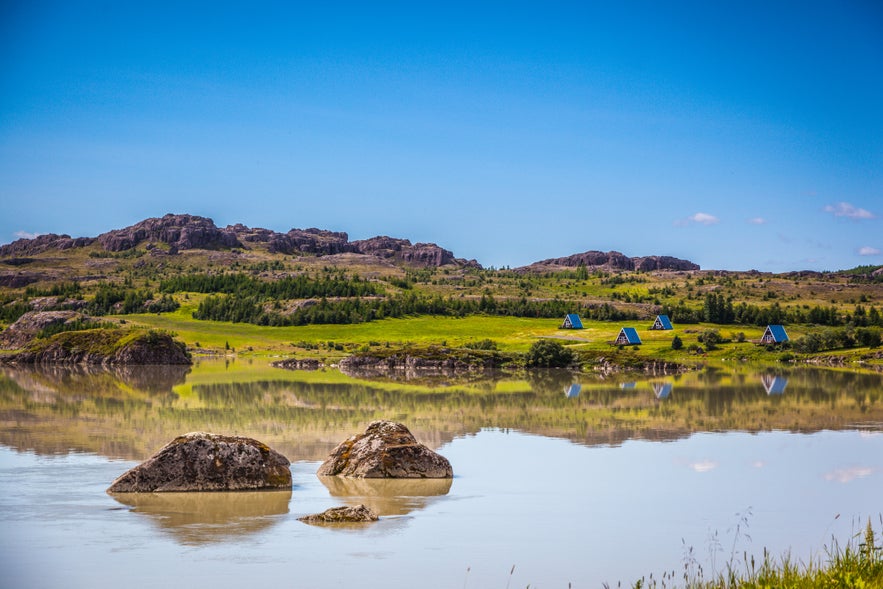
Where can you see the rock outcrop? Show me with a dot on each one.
(341, 515)
(308, 241)
(108, 347)
(386, 450)
(297, 364)
(202, 461)
(183, 232)
(407, 366)
(26, 327)
(42, 243)
(178, 231)
(614, 261)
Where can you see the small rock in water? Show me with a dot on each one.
(201, 461)
(339, 515)
(386, 450)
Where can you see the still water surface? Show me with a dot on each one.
(572, 480)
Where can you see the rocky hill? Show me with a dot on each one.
(187, 232)
(613, 261)
(172, 234)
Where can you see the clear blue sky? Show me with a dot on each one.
(736, 134)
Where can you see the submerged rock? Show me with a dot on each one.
(386, 450)
(340, 515)
(201, 461)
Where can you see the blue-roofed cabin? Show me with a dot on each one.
(628, 336)
(774, 334)
(573, 390)
(662, 322)
(572, 321)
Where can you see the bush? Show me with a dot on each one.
(548, 354)
(676, 343)
(484, 344)
(711, 338)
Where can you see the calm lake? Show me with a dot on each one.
(571, 479)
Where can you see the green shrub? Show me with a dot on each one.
(546, 353)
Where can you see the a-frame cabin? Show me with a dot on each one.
(662, 322)
(628, 336)
(572, 321)
(774, 334)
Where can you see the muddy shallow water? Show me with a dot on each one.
(582, 485)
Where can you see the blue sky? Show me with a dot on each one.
(736, 134)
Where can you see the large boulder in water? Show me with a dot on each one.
(386, 450)
(201, 461)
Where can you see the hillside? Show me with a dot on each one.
(185, 274)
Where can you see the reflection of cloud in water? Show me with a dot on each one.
(703, 465)
(758, 464)
(388, 496)
(847, 475)
(202, 518)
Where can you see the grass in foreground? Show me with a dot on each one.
(858, 565)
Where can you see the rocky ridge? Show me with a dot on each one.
(183, 232)
(187, 232)
(613, 260)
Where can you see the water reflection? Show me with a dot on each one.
(388, 496)
(203, 518)
(773, 384)
(662, 389)
(130, 413)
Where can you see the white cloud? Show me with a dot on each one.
(703, 465)
(844, 209)
(757, 221)
(703, 218)
(846, 475)
(26, 235)
(868, 251)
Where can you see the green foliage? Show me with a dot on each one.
(61, 289)
(76, 325)
(336, 284)
(9, 312)
(484, 344)
(676, 343)
(711, 338)
(546, 353)
(248, 309)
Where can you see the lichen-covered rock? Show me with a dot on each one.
(26, 327)
(102, 346)
(202, 461)
(386, 450)
(340, 515)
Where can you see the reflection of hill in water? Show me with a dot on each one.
(203, 518)
(132, 413)
(388, 496)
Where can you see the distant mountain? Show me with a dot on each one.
(191, 232)
(184, 232)
(613, 261)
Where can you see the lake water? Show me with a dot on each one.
(568, 478)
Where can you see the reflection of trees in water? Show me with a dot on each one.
(550, 381)
(204, 518)
(126, 414)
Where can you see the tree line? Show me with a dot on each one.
(301, 286)
(250, 309)
(717, 308)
